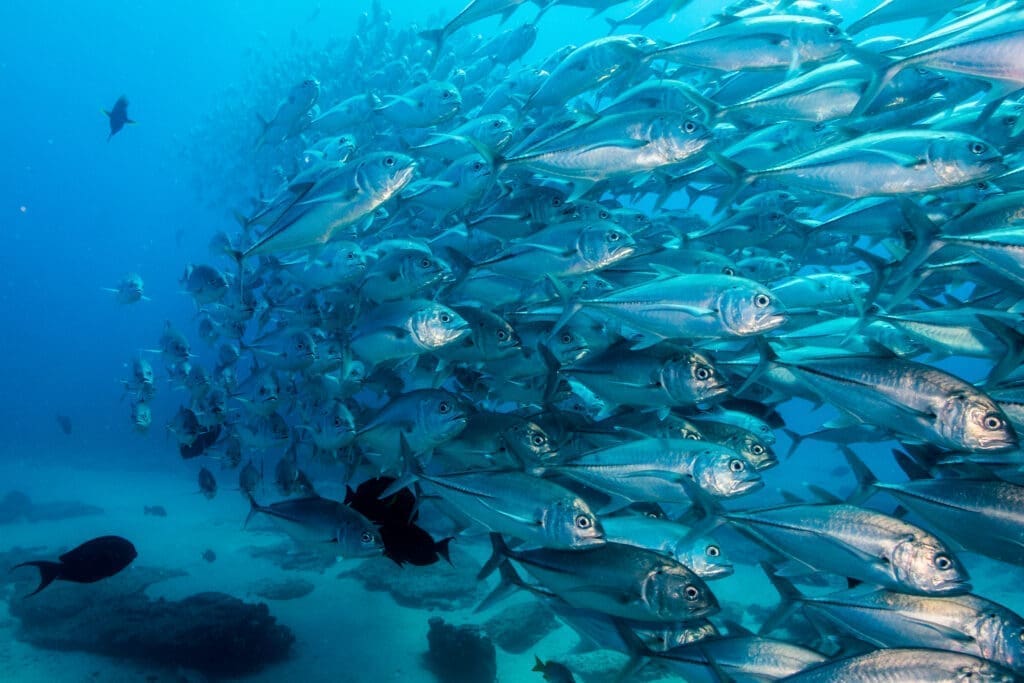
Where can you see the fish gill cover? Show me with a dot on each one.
(569, 295)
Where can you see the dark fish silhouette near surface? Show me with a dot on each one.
(97, 559)
(118, 116)
(65, 423)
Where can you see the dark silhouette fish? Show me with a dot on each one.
(65, 423)
(398, 508)
(154, 510)
(411, 544)
(118, 116)
(97, 559)
(405, 542)
(207, 483)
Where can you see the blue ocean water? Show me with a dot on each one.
(79, 211)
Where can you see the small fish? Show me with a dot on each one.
(553, 671)
(207, 483)
(129, 289)
(154, 511)
(65, 424)
(92, 561)
(209, 555)
(118, 116)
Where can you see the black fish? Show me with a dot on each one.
(207, 483)
(118, 116)
(209, 555)
(154, 510)
(93, 560)
(65, 423)
(397, 509)
(409, 543)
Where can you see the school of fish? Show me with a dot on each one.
(564, 304)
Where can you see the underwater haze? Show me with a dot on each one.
(564, 340)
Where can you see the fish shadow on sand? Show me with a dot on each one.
(16, 506)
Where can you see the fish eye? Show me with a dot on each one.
(982, 185)
(1010, 121)
(702, 373)
(757, 449)
(693, 435)
(604, 215)
(943, 562)
(762, 300)
(832, 31)
(736, 465)
(350, 255)
(538, 440)
(1020, 636)
(367, 537)
(713, 551)
(446, 94)
(613, 237)
(496, 124)
(583, 522)
(478, 165)
(566, 338)
(692, 593)
(501, 335)
(689, 126)
(389, 161)
(556, 202)
(444, 407)
(993, 422)
(445, 318)
(978, 148)
(728, 271)
(425, 263)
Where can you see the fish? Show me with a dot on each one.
(65, 424)
(324, 524)
(905, 664)
(207, 483)
(552, 671)
(92, 561)
(129, 289)
(965, 623)
(614, 579)
(118, 116)
(291, 112)
(858, 543)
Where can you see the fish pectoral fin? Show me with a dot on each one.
(625, 143)
(395, 99)
(346, 196)
(944, 631)
(905, 160)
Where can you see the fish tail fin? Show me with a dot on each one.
(795, 441)
(254, 507)
(790, 599)
(436, 38)
(499, 556)
(613, 26)
(441, 548)
(740, 176)
(767, 358)
(866, 479)
(1014, 355)
(883, 70)
(510, 579)
(48, 571)
(538, 664)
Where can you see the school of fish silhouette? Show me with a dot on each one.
(569, 303)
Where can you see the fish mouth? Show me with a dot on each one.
(747, 486)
